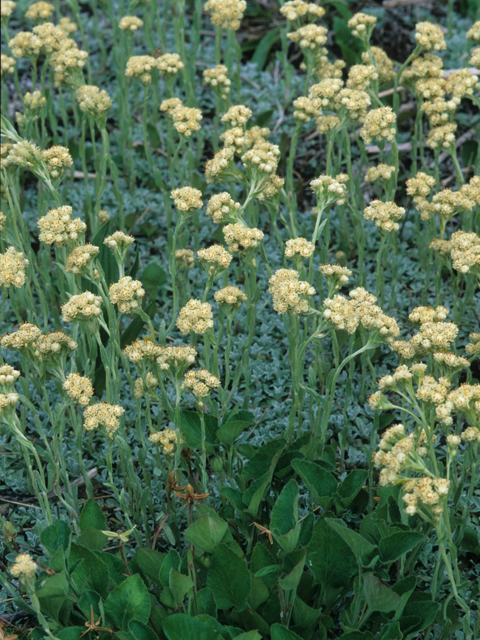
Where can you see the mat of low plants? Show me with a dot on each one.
(240, 320)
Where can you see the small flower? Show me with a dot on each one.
(79, 388)
(126, 293)
(187, 199)
(200, 382)
(24, 568)
(196, 317)
(103, 414)
(12, 268)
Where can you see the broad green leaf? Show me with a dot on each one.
(135, 327)
(263, 47)
(182, 627)
(350, 487)
(396, 545)
(56, 535)
(279, 632)
(391, 631)
(249, 635)
(229, 432)
(303, 615)
(52, 594)
(291, 581)
(148, 562)
(153, 276)
(92, 517)
(206, 533)
(285, 510)
(90, 572)
(263, 564)
(306, 531)
(330, 559)
(138, 630)
(263, 458)
(258, 593)
(90, 601)
(229, 579)
(362, 549)
(179, 585)
(379, 597)
(72, 633)
(206, 602)
(192, 431)
(129, 601)
(319, 482)
(171, 561)
(92, 539)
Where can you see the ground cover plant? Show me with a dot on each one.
(239, 320)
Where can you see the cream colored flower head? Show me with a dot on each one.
(94, 102)
(8, 375)
(25, 45)
(187, 199)
(230, 297)
(176, 358)
(215, 259)
(40, 11)
(241, 239)
(219, 168)
(336, 276)
(196, 317)
(57, 160)
(57, 227)
(200, 382)
(169, 64)
(261, 161)
(226, 14)
(82, 307)
(24, 338)
(329, 190)
(79, 388)
(126, 294)
(383, 64)
(380, 172)
(103, 414)
(237, 116)
(362, 26)
(7, 9)
(54, 343)
(430, 36)
(119, 243)
(299, 247)
(380, 124)
(289, 294)
(186, 120)
(141, 68)
(130, 24)
(7, 64)
(221, 208)
(310, 37)
(12, 268)
(217, 78)
(384, 214)
(81, 257)
(297, 9)
(67, 26)
(24, 568)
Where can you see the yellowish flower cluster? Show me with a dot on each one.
(67, 63)
(23, 339)
(226, 14)
(261, 160)
(8, 375)
(151, 382)
(237, 116)
(21, 154)
(7, 8)
(362, 25)
(353, 103)
(141, 67)
(103, 414)
(130, 23)
(425, 492)
(296, 9)
(39, 11)
(143, 350)
(104, 216)
(450, 361)
(473, 347)
(473, 33)
(200, 382)
(465, 399)
(420, 315)
(270, 188)
(217, 169)
(443, 136)
(461, 84)
(33, 102)
(448, 203)
(230, 297)
(3, 221)
(93, 102)
(336, 275)
(125, 294)
(169, 64)
(57, 160)
(185, 259)
(431, 338)
(361, 76)
(52, 37)
(463, 248)
(360, 310)
(217, 78)
(475, 58)
(310, 37)
(419, 187)
(168, 439)
(326, 123)
(221, 208)
(429, 390)
(119, 242)
(241, 239)
(234, 138)
(84, 306)
(79, 388)
(25, 44)
(305, 109)
(184, 119)
(25, 567)
(429, 36)
(383, 64)
(196, 317)
(187, 199)
(289, 293)
(81, 257)
(7, 64)
(8, 402)
(215, 258)
(380, 172)
(53, 344)
(329, 190)
(329, 70)
(178, 358)
(299, 247)
(384, 215)
(59, 228)
(380, 124)
(67, 26)
(12, 268)
(471, 434)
